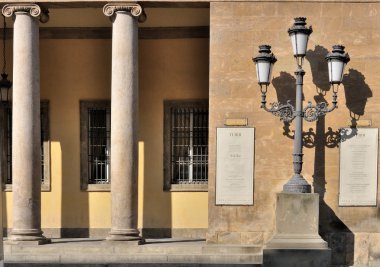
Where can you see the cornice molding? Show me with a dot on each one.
(110, 9)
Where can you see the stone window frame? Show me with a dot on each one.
(168, 185)
(45, 126)
(84, 106)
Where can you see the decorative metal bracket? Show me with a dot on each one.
(312, 113)
(346, 134)
(286, 111)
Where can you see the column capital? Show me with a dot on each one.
(34, 10)
(110, 9)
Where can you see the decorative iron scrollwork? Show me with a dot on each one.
(284, 111)
(347, 133)
(312, 113)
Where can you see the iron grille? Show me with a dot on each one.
(44, 137)
(189, 145)
(99, 129)
(8, 116)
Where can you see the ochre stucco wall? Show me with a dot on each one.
(237, 29)
(74, 70)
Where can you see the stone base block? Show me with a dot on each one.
(297, 222)
(301, 241)
(28, 242)
(127, 242)
(296, 242)
(296, 257)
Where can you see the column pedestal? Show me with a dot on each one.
(296, 241)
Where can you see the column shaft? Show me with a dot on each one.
(26, 139)
(124, 118)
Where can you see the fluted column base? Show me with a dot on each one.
(129, 235)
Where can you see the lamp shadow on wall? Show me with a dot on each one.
(339, 237)
(357, 93)
(285, 88)
(331, 228)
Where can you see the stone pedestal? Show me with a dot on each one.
(296, 241)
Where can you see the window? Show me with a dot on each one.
(6, 164)
(95, 121)
(186, 145)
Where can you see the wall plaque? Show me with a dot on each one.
(234, 166)
(358, 167)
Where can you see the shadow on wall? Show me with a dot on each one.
(339, 237)
(319, 69)
(357, 93)
(285, 88)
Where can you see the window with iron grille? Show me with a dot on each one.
(95, 145)
(7, 147)
(186, 145)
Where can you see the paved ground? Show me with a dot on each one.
(156, 252)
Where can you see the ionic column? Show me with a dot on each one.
(124, 117)
(26, 140)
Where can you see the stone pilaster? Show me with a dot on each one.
(26, 135)
(124, 118)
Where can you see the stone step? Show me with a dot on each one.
(231, 249)
(128, 265)
(164, 251)
(85, 258)
(106, 248)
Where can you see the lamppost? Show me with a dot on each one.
(336, 60)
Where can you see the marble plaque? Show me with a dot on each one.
(358, 167)
(234, 166)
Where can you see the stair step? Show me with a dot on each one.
(128, 265)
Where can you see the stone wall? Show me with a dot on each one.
(236, 31)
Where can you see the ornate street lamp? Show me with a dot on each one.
(299, 35)
(5, 84)
(264, 62)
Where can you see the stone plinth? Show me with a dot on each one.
(296, 238)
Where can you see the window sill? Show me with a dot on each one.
(188, 188)
(96, 188)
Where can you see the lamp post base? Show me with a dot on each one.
(297, 184)
(296, 241)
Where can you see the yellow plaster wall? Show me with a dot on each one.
(175, 70)
(74, 70)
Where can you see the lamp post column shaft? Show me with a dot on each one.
(298, 184)
(297, 160)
